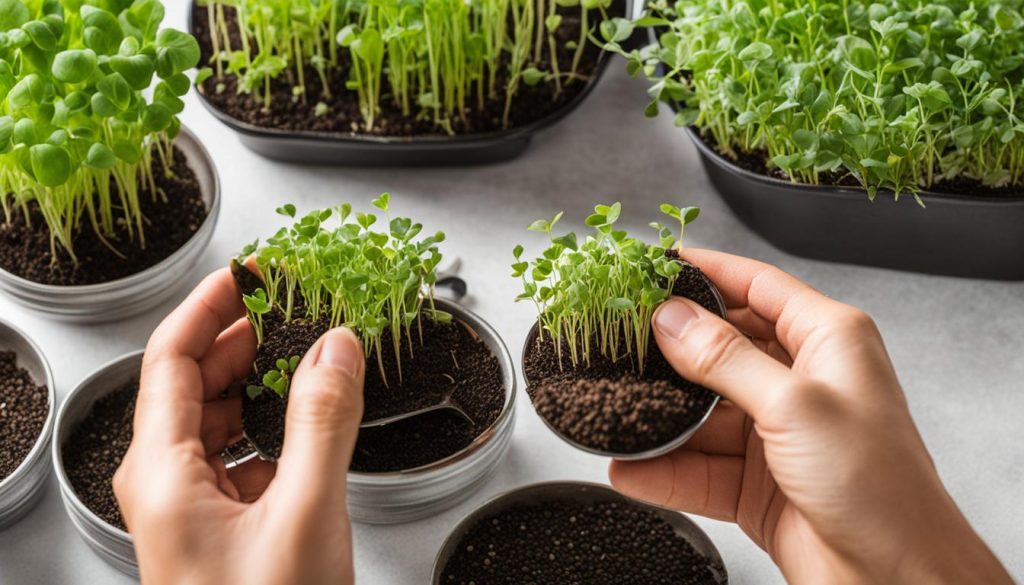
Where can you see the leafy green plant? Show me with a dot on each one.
(897, 94)
(433, 57)
(601, 293)
(77, 133)
(278, 379)
(379, 283)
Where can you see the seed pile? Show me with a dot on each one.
(23, 411)
(95, 449)
(571, 543)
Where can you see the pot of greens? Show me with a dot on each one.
(861, 132)
(427, 82)
(106, 200)
(336, 267)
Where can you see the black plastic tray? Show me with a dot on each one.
(330, 148)
(953, 235)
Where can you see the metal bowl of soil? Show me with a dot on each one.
(611, 409)
(575, 532)
(342, 146)
(417, 467)
(27, 412)
(132, 294)
(92, 434)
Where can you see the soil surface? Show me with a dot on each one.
(95, 449)
(757, 162)
(608, 405)
(449, 359)
(570, 543)
(172, 216)
(286, 113)
(24, 406)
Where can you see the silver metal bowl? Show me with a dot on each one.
(404, 496)
(125, 297)
(578, 492)
(658, 451)
(111, 543)
(21, 490)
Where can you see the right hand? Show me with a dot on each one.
(813, 453)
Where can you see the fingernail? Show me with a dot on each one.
(341, 350)
(672, 318)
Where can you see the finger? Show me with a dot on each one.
(774, 349)
(707, 350)
(724, 433)
(229, 359)
(222, 424)
(169, 405)
(692, 482)
(751, 323)
(325, 405)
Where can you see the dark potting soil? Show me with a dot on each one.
(172, 216)
(450, 358)
(572, 543)
(757, 162)
(24, 406)
(609, 405)
(287, 113)
(95, 449)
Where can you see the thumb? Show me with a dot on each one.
(707, 350)
(325, 405)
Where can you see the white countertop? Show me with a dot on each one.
(950, 338)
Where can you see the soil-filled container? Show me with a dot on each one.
(27, 412)
(135, 293)
(439, 392)
(840, 224)
(574, 532)
(592, 367)
(93, 431)
(313, 128)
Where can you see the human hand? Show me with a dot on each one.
(814, 453)
(195, 522)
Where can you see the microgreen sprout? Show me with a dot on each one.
(77, 133)
(278, 379)
(433, 57)
(600, 293)
(379, 283)
(897, 94)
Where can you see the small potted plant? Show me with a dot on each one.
(106, 200)
(575, 532)
(414, 83)
(590, 368)
(333, 268)
(91, 436)
(26, 423)
(805, 114)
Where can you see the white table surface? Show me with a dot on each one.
(950, 338)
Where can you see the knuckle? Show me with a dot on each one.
(857, 321)
(332, 399)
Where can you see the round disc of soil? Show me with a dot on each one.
(609, 406)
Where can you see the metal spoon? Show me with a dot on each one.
(446, 404)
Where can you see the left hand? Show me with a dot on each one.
(192, 520)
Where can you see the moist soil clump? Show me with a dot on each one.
(95, 449)
(172, 217)
(757, 162)
(24, 406)
(449, 359)
(609, 406)
(343, 117)
(566, 543)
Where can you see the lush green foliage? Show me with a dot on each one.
(77, 135)
(375, 282)
(434, 57)
(603, 290)
(899, 94)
